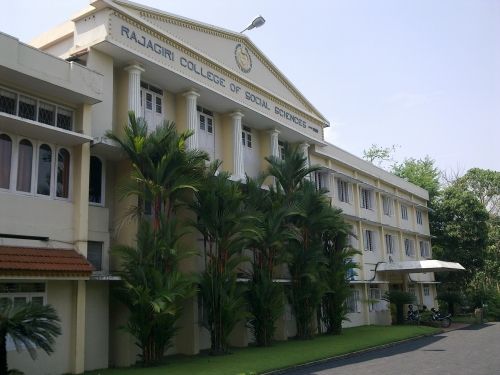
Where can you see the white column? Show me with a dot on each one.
(192, 119)
(275, 150)
(134, 88)
(238, 166)
(304, 148)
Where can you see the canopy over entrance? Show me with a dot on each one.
(420, 266)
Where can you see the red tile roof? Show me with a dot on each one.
(29, 261)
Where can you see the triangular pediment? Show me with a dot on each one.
(233, 51)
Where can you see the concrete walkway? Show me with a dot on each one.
(462, 350)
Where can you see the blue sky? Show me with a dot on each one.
(421, 74)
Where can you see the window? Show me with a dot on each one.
(409, 248)
(46, 113)
(352, 302)
(404, 212)
(31, 108)
(366, 198)
(206, 123)
(94, 254)
(388, 205)
(27, 108)
(24, 166)
(427, 291)
(49, 169)
(149, 101)
(151, 105)
(5, 160)
(412, 290)
(281, 146)
(44, 170)
(369, 240)
(63, 160)
(246, 137)
(95, 180)
(351, 272)
(389, 243)
(418, 214)
(343, 191)
(64, 118)
(206, 139)
(375, 299)
(8, 102)
(21, 293)
(158, 104)
(321, 180)
(424, 249)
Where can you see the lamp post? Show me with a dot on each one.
(257, 22)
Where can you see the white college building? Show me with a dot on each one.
(59, 209)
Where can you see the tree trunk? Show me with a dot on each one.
(3, 352)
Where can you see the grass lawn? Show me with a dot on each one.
(470, 319)
(281, 355)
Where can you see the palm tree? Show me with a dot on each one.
(30, 326)
(163, 173)
(291, 172)
(274, 233)
(152, 288)
(340, 262)
(307, 261)
(162, 169)
(225, 227)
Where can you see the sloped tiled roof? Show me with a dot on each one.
(29, 261)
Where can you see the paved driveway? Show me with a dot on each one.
(467, 351)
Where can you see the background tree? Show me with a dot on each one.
(461, 233)
(379, 155)
(30, 326)
(421, 172)
(484, 184)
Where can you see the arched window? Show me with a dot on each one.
(44, 170)
(95, 180)
(24, 166)
(5, 160)
(63, 160)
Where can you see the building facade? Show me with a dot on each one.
(60, 97)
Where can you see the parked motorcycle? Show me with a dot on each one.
(444, 320)
(413, 315)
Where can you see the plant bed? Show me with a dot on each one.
(286, 354)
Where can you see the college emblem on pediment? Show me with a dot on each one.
(243, 59)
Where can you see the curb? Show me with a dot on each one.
(349, 355)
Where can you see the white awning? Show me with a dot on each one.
(420, 266)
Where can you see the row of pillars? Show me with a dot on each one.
(191, 96)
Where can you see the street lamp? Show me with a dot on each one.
(257, 22)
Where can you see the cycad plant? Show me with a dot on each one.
(30, 326)
(399, 298)
(225, 227)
